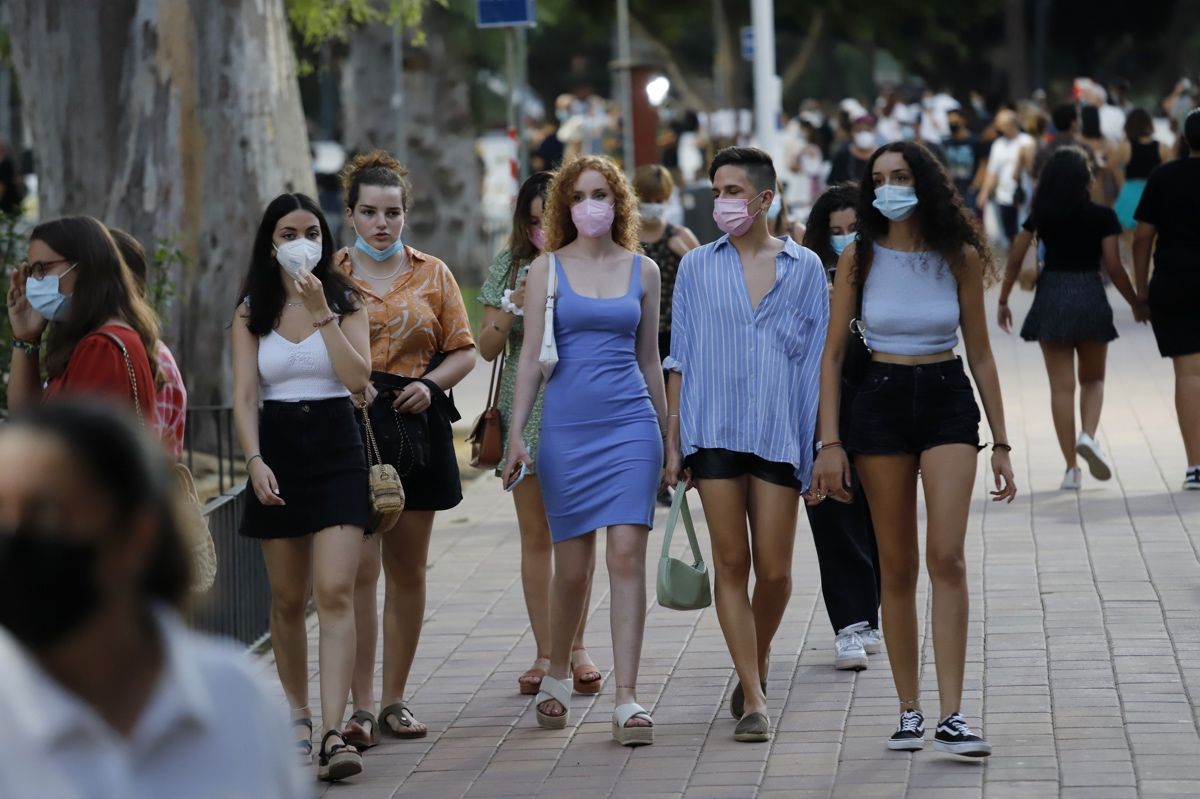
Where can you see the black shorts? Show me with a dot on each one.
(901, 409)
(724, 464)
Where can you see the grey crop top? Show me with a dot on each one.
(910, 303)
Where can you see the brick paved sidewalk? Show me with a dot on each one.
(1085, 610)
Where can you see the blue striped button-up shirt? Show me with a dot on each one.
(750, 376)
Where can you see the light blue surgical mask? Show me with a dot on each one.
(897, 203)
(840, 242)
(45, 297)
(379, 255)
(775, 207)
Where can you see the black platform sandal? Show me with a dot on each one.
(339, 761)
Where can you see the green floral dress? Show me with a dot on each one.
(498, 279)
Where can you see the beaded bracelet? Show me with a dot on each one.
(30, 347)
(326, 320)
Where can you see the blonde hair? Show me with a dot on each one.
(376, 168)
(653, 183)
(556, 216)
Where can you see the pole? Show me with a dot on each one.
(401, 145)
(522, 82)
(625, 62)
(510, 70)
(1040, 24)
(766, 106)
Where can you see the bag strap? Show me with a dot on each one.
(679, 506)
(133, 384)
(551, 290)
(501, 359)
(373, 458)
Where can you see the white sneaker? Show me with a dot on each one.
(1072, 479)
(1191, 481)
(1088, 448)
(848, 651)
(872, 640)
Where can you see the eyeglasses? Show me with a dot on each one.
(37, 269)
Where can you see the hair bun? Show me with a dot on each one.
(375, 159)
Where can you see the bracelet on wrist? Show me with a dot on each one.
(1001, 445)
(326, 320)
(30, 347)
(824, 445)
(252, 458)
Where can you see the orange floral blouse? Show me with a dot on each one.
(423, 314)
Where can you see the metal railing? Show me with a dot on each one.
(210, 427)
(239, 604)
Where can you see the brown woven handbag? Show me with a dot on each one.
(186, 504)
(383, 481)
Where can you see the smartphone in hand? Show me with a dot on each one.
(522, 473)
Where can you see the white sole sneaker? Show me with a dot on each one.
(906, 744)
(971, 749)
(1072, 480)
(852, 663)
(1089, 450)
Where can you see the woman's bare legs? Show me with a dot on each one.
(289, 571)
(948, 475)
(335, 563)
(405, 561)
(1060, 368)
(890, 482)
(1093, 358)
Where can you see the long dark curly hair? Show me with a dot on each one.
(816, 233)
(945, 224)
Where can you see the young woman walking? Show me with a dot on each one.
(600, 453)
(1070, 316)
(920, 262)
(842, 531)
(74, 291)
(503, 297)
(300, 347)
(421, 347)
(1136, 157)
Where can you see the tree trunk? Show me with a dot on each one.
(727, 53)
(444, 215)
(1015, 49)
(172, 120)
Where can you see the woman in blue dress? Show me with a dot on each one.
(600, 454)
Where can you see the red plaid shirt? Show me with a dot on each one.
(170, 406)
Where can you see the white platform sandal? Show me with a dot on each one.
(559, 691)
(632, 736)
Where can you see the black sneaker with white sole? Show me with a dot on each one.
(1191, 480)
(954, 736)
(910, 733)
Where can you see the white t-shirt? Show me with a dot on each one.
(1002, 162)
(208, 730)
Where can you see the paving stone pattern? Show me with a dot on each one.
(1083, 661)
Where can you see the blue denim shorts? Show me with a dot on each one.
(905, 410)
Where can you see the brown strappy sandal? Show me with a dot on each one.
(580, 671)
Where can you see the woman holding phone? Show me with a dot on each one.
(600, 454)
(503, 298)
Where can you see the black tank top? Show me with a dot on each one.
(668, 266)
(1142, 160)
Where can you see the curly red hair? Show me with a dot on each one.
(556, 217)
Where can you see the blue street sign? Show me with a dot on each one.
(747, 43)
(504, 13)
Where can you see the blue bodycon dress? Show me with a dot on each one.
(600, 454)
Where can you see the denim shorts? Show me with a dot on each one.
(725, 464)
(905, 410)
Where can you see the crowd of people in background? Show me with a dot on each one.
(806, 355)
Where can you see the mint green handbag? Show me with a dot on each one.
(682, 585)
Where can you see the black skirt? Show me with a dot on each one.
(419, 445)
(317, 456)
(1069, 307)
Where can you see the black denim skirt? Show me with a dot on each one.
(317, 456)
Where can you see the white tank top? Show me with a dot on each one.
(297, 372)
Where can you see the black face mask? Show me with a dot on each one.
(47, 586)
(955, 127)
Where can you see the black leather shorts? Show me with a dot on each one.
(724, 464)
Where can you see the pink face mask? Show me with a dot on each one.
(733, 216)
(537, 237)
(592, 218)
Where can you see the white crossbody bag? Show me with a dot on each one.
(548, 357)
